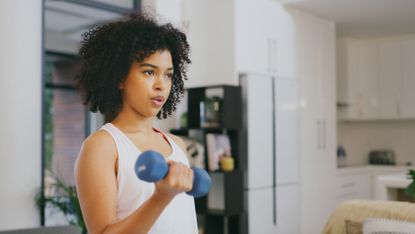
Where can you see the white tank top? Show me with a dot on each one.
(179, 216)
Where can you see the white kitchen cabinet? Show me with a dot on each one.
(226, 39)
(390, 78)
(353, 186)
(408, 82)
(259, 203)
(376, 78)
(316, 72)
(283, 35)
(264, 44)
(288, 210)
(359, 182)
(258, 95)
(357, 79)
(253, 48)
(210, 32)
(272, 102)
(287, 131)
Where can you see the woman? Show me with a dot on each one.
(132, 71)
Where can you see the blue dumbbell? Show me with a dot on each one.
(152, 167)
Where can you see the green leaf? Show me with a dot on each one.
(410, 190)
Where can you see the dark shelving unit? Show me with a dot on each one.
(227, 187)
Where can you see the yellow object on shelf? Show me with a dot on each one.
(227, 163)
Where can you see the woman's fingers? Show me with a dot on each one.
(179, 179)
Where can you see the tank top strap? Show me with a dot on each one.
(178, 154)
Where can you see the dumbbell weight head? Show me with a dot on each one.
(152, 167)
(201, 183)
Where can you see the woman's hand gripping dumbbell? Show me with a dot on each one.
(152, 167)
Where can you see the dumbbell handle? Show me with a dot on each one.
(152, 167)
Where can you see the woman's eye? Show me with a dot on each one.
(149, 73)
(169, 76)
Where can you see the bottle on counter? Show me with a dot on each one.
(341, 156)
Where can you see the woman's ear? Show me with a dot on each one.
(121, 86)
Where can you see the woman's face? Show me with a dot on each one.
(148, 84)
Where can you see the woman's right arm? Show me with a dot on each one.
(96, 183)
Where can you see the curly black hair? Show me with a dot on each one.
(108, 51)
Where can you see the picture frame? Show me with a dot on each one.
(217, 145)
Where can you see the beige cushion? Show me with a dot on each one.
(377, 226)
(358, 210)
(353, 227)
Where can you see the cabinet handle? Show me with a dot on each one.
(274, 55)
(398, 107)
(324, 134)
(269, 55)
(318, 135)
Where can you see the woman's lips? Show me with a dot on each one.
(158, 101)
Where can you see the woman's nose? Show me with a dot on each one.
(159, 83)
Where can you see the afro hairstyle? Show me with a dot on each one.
(108, 51)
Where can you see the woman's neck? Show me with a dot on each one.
(133, 123)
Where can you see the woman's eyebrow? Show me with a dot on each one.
(153, 66)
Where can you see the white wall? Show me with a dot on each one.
(359, 138)
(20, 118)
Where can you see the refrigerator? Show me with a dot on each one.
(270, 153)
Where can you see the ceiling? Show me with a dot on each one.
(363, 18)
(357, 18)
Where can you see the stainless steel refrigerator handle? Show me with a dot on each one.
(274, 152)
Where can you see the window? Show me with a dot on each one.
(65, 127)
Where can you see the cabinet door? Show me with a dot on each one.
(358, 79)
(259, 110)
(367, 89)
(281, 33)
(286, 117)
(211, 41)
(288, 209)
(261, 211)
(251, 42)
(347, 79)
(353, 186)
(390, 77)
(408, 107)
(317, 120)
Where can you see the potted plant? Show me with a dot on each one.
(65, 201)
(410, 190)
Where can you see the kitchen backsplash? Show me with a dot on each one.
(358, 138)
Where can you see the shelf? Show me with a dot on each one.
(230, 108)
(226, 194)
(223, 207)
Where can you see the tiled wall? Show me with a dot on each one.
(359, 138)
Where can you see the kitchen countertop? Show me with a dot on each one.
(376, 169)
(386, 185)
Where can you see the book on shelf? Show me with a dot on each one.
(217, 145)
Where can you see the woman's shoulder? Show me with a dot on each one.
(100, 137)
(98, 143)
